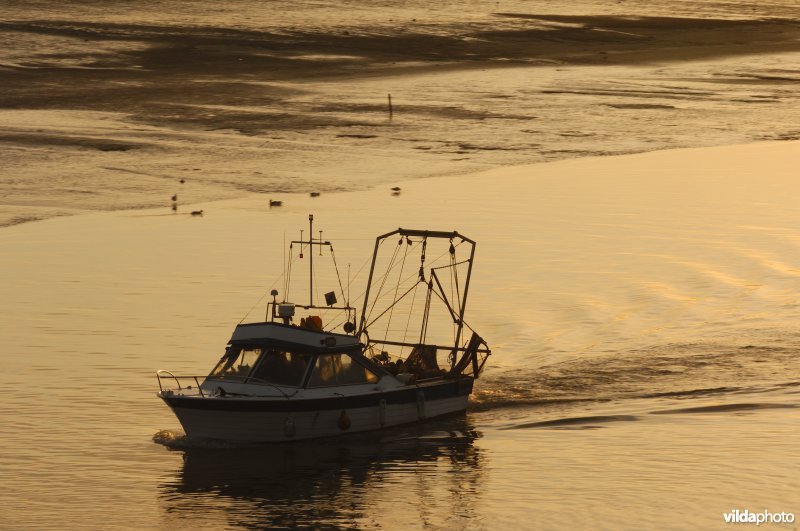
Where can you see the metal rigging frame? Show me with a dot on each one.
(472, 349)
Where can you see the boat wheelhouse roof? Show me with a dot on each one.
(275, 344)
(278, 334)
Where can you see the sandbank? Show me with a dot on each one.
(235, 110)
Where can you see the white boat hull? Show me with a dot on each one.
(240, 419)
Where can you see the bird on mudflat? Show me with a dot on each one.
(197, 212)
(174, 197)
(274, 203)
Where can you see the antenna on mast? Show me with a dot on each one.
(330, 298)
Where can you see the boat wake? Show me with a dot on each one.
(599, 421)
(180, 441)
(574, 422)
(668, 372)
(725, 408)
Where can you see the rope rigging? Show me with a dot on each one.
(385, 277)
(414, 274)
(338, 277)
(396, 260)
(410, 313)
(391, 266)
(423, 333)
(453, 273)
(288, 273)
(397, 287)
(391, 306)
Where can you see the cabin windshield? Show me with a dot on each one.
(339, 369)
(262, 366)
(280, 367)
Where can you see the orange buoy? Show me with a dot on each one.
(344, 421)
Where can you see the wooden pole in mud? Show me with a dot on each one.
(390, 107)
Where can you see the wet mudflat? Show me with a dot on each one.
(108, 105)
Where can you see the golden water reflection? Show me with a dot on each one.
(429, 474)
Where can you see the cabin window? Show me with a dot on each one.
(279, 367)
(339, 369)
(236, 364)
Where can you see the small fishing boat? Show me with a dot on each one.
(293, 377)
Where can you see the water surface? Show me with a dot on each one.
(642, 313)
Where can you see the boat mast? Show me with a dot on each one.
(363, 324)
(311, 243)
(466, 292)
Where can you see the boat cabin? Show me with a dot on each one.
(275, 354)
